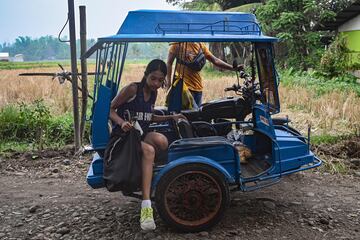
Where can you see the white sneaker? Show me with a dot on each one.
(147, 219)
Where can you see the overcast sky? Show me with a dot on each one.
(36, 18)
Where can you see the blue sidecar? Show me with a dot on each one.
(217, 149)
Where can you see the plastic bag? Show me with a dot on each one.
(179, 97)
(122, 161)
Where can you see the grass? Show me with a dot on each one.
(14, 146)
(327, 139)
(333, 150)
(334, 111)
(331, 107)
(41, 64)
(29, 65)
(331, 139)
(335, 166)
(33, 126)
(320, 84)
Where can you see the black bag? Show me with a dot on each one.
(197, 63)
(122, 161)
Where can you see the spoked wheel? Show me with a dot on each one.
(192, 197)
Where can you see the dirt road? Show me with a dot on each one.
(46, 197)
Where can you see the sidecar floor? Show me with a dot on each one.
(253, 167)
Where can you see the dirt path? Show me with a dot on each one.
(47, 198)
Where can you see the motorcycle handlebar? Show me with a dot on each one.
(243, 74)
(233, 88)
(229, 89)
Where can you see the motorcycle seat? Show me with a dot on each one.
(193, 115)
(185, 129)
(162, 111)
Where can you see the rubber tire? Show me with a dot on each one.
(173, 173)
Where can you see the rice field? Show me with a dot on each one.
(333, 113)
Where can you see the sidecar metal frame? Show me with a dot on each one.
(289, 152)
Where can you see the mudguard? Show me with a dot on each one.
(189, 160)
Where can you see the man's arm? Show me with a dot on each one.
(159, 118)
(219, 63)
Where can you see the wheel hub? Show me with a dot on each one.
(193, 198)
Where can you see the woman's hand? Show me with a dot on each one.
(126, 126)
(176, 117)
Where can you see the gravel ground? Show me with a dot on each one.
(45, 196)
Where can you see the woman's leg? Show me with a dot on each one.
(153, 141)
(148, 157)
(146, 216)
(157, 140)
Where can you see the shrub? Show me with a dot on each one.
(36, 116)
(11, 124)
(60, 130)
(335, 60)
(34, 124)
(318, 82)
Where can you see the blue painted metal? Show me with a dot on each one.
(169, 21)
(315, 163)
(260, 184)
(165, 26)
(121, 66)
(112, 58)
(94, 176)
(288, 151)
(99, 126)
(184, 26)
(271, 80)
(189, 160)
(294, 152)
(263, 121)
(217, 149)
(185, 37)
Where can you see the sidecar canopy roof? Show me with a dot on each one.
(186, 26)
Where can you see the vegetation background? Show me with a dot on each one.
(316, 87)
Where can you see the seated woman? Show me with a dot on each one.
(139, 99)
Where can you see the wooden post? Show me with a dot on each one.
(71, 16)
(84, 79)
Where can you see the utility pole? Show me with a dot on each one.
(71, 16)
(84, 80)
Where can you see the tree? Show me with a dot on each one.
(293, 21)
(135, 50)
(214, 5)
(43, 48)
(210, 5)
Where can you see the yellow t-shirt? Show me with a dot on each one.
(191, 78)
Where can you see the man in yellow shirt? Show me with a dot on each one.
(192, 78)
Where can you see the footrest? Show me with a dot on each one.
(94, 176)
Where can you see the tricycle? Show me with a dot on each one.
(233, 143)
